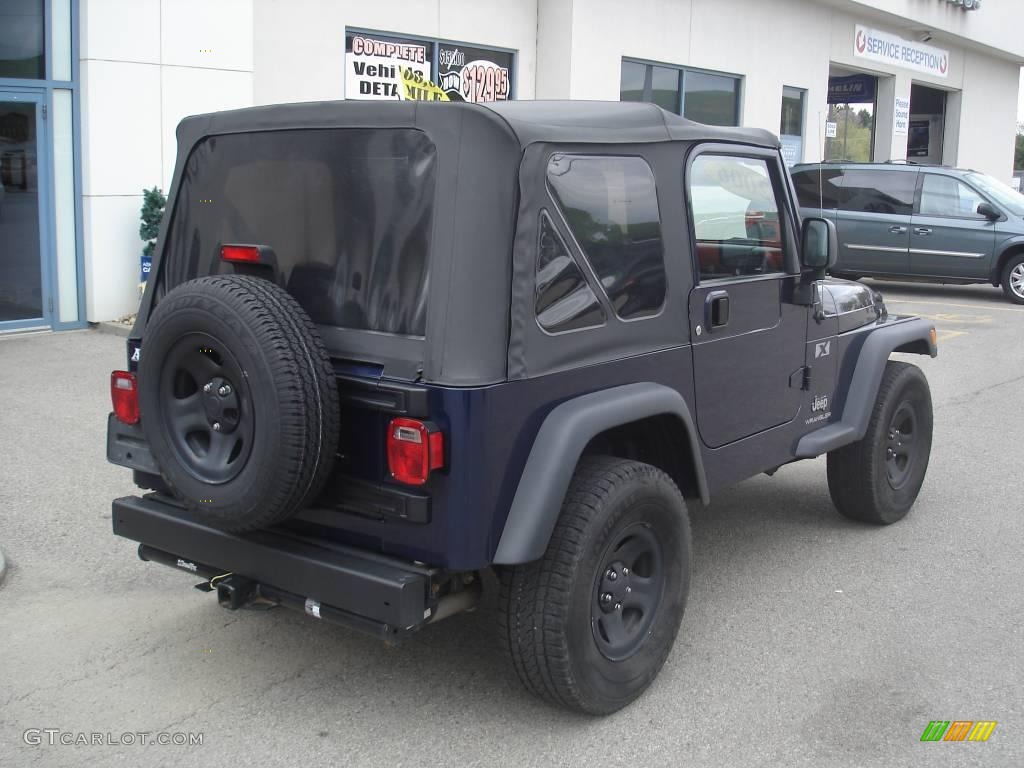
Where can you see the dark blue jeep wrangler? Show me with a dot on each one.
(387, 346)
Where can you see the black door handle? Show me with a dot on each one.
(716, 310)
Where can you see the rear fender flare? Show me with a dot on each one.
(557, 450)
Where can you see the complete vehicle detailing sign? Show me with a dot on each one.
(893, 49)
(388, 69)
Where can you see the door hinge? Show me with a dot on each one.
(44, 111)
(807, 379)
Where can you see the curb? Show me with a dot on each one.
(114, 329)
(3, 567)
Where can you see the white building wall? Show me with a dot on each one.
(145, 64)
(988, 115)
(794, 43)
(300, 44)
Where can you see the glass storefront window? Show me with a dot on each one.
(60, 40)
(64, 207)
(631, 85)
(791, 128)
(855, 132)
(711, 99)
(21, 39)
(665, 88)
(707, 97)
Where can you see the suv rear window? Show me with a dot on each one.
(347, 212)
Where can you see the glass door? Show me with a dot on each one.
(24, 294)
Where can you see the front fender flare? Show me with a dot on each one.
(903, 336)
(558, 447)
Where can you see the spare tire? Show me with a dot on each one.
(238, 401)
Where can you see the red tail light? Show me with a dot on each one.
(414, 449)
(245, 253)
(124, 393)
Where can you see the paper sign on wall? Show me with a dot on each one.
(830, 130)
(901, 116)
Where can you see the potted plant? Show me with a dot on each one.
(153, 203)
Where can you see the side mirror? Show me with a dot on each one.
(989, 211)
(819, 244)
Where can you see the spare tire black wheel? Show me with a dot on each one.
(238, 401)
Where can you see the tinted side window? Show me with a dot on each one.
(735, 217)
(818, 188)
(611, 206)
(564, 300)
(867, 191)
(945, 196)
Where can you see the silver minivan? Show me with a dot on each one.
(919, 222)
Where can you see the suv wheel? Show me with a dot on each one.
(238, 401)
(877, 479)
(590, 624)
(1013, 279)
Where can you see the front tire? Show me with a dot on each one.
(1013, 279)
(877, 479)
(590, 624)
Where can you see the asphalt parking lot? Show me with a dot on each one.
(808, 641)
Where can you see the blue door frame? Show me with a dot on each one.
(43, 187)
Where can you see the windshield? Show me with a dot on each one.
(1003, 194)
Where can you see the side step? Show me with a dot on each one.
(364, 590)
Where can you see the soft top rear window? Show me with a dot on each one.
(347, 212)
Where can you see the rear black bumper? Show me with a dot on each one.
(364, 590)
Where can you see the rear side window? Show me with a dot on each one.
(945, 196)
(347, 212)
(611, 207)
(818, 188)
(867, 191)
(564, 300)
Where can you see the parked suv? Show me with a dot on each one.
(920, 222)
(387, 346)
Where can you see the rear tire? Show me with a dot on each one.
(1013, 279)
(877, 479)
(238, 401)
(577, 635)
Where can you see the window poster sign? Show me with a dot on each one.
(474, 74)
(388, 68)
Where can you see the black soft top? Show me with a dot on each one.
(605, 122)
(486, 183)
(613, 122)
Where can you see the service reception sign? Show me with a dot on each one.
(381, 67)
(893, 49)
